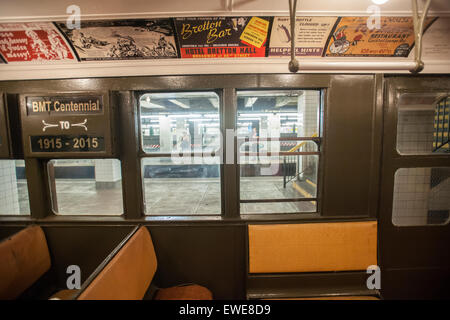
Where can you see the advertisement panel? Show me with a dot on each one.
(123, 39)
(23, 42)
(222, 37)
(311, 35)
(352, 37)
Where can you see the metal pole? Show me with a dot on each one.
(293, 64)
(419, 23)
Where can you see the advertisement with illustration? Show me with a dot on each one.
(223, 37)
(123, 39)
(37, 42)
(311, 34)
(394, 38)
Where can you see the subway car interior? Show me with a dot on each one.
(225, 150)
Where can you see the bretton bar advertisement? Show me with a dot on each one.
(40, 42)
(223, 37)
(123, 39)
(311, 35)
(352, 37)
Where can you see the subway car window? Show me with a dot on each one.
(13, 188)
(278, 132)
(423, 124)
(421, 196)
(85, 187)
(181, 135)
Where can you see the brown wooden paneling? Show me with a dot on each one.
(348, 147)
(210, 256)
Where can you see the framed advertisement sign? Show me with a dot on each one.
(33, 42)
(352, 37)
(311, 36)
(223, 37)
(122, 39)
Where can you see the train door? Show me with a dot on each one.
(415, 189)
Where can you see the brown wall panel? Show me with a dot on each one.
(83, 246)
(210, 256)
(348, 146)
(5, 151)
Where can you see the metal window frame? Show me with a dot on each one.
(122, 91)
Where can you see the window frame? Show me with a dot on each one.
(143, 155)
(338, 91)
(392, 159)
(319, 143)
(230, 190)
(439, 95)
(52, 190)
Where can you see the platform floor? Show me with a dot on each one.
(174, 197)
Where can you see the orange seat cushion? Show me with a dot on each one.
(190, 292)
(128, 274)
(67, 294)
(24, 258)
(312, 247)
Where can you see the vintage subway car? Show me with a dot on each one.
(218, 150)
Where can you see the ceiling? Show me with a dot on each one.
(32, 10)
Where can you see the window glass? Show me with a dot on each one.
(421, 196)
(180, 121)
(181, 134)
(13, 188)
(174, 187)
(423, 124)
(86, 187)
(278, 136)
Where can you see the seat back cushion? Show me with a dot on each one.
(312, 247)
(128, 274)
(24, 258)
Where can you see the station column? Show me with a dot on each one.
(308, 117)
(107, 173)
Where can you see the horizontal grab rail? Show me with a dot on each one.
(280, 153)
(301, 144)
(312, 138)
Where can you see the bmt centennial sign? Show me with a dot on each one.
(67, 124)
(66, 105)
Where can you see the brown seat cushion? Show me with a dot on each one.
(67, 294)
(189, 292)
(312, 247)
(128, 275)
(24, 259)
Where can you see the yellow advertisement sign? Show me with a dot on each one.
(255, 33)
(393, 37)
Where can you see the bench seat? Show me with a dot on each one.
(24, 259)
